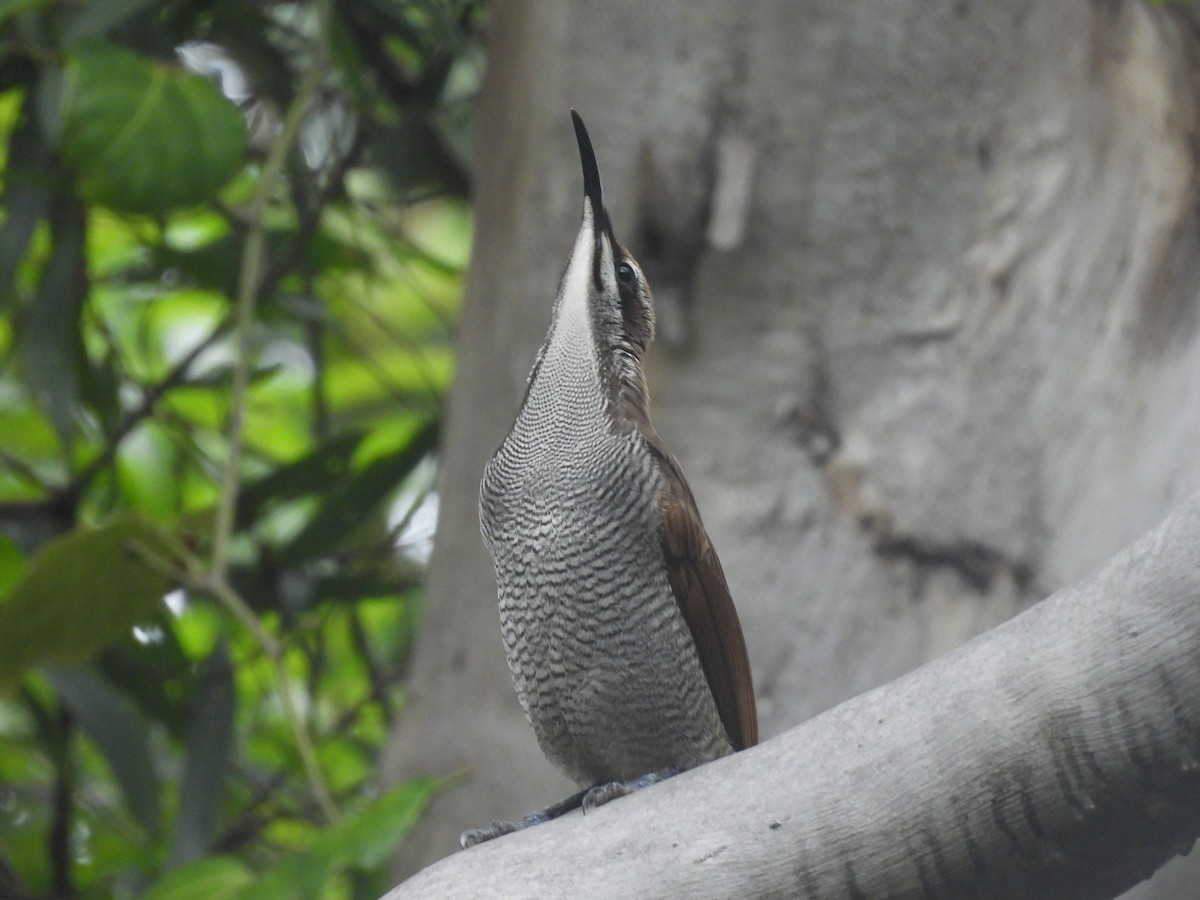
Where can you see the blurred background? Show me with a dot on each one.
(927, 279)
(214, 211)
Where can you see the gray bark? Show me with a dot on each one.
(1057, 756)
(942, 362)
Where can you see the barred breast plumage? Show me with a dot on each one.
(603, 662)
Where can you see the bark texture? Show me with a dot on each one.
(930, 281)
(1056, 756)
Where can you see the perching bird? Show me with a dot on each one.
(623, 642)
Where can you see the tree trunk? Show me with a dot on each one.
(1053, 758)
(928, 275)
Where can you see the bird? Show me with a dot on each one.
(622, 639)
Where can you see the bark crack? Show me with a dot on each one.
(976, 563)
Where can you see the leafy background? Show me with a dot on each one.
(232, 238)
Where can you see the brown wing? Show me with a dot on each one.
(703, 597)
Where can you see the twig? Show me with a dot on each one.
(214, 580)
(252, 816)
(220, 590)
(310, 215)
(248, 287)
(23, 469)
(192, 575)
(375, 676)
(11, 885)
(308, 754)
(403, 91)
(425, 402)
(433, 391)
(150, 397)
(314, 333)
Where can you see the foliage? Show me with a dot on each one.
(231, 244)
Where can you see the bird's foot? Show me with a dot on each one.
(473, 836)
(588, 799)
(602, 793)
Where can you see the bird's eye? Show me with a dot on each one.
(625, 273)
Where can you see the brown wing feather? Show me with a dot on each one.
(703, 597)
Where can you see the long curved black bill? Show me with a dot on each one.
(591, 171)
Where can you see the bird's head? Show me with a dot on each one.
(604, 289)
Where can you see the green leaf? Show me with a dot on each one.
(157, 675)
(26, 196)
(209, 878)
(12, 562)
(146, 137)
(209, 748)
(354, 586)
(113, 722)
(100, 387)
(348, 504)
(12, 7)
(298, 877)
(147, 471)
(370, 837)
(215, 265)
(308, 475)
(78, 593)
(362, 840)
(51, 346)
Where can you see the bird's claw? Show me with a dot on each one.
(473, 836)
(602, 793)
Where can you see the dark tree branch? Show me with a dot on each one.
(407, 92)
(1056, 756)
(145, 408)
(62, 809)
(11, 885)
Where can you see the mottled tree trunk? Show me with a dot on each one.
(938, 361)
(1075, 779)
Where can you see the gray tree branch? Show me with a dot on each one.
(1055, 756)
